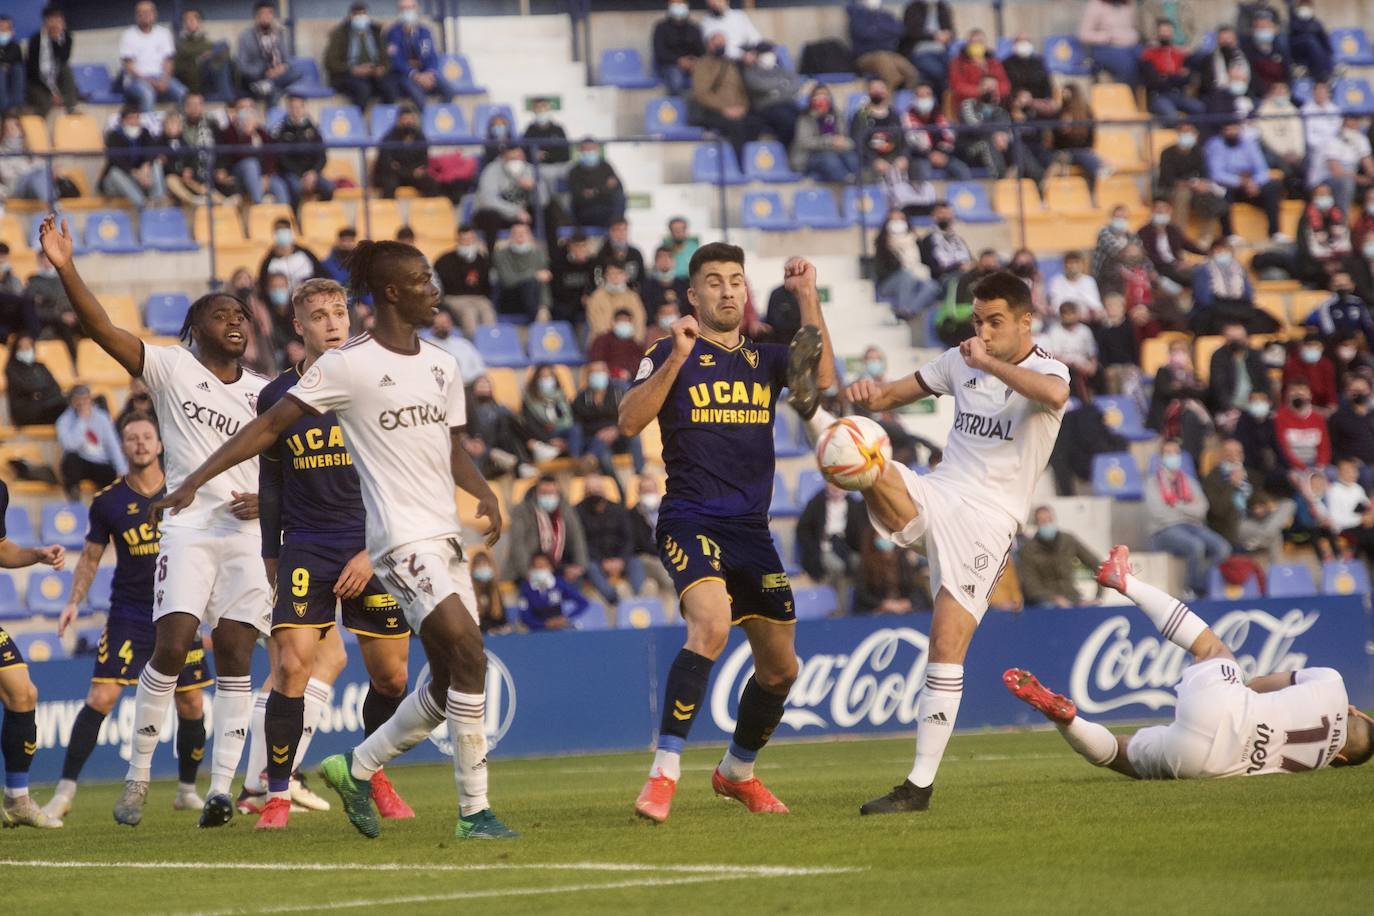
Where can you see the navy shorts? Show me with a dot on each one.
(306, 574)
(127, 644)
(737, 552)
(10, 656)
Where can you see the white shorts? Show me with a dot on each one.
(212, 575)
(421, 574)
(967, 546)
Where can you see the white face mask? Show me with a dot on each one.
(515, 168)
(541, 579)
(1367, 249)
(467, 252)
(410, 17)
(767, 60)
(282, 237)
(1304, 12)
(650, 501)
(873, 4)
(677, 10)
(1187, 141)
(1222, 258)
(1238, 87)
(925, 104)
(1023, 49)
(1324, 202)
(897, 227)
(1119, 224)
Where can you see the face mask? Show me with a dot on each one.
(598, 381)
(547, 386)
(24, 356)
(877, 99)
(1264, 36)
(1368, 250)
(483, 574)
(1023, 49)
(1300, 403)
(767, 60)
(522, 247)
(717, 51)
(1024, 269)
(279, 296)
(542, 117)
(1304, 12)
(360, 24)
(988, 98)
(589, 158)
(541, 579)
(873, 4)
(677, 10)
(1258, 409)
(47, 272)
(925, 104)
(650, 501)
(897, 227)
(976, 50)
(243, 292)
(5, 38)
(467, 252)
(666, 321)
(1231, 141)
(1236, 346)
(1311, 354)
(1171, 462)
(1118, 224)
(1222, 258)
(1324, 202)
(944, 224)
(515, 168)
(883, 545)
(410, 17)
(615, 288)
(282, 237)
(546, 503)
(624, 330)
(1166, 41)
(244, 118)
(500, 131)
(1160, 219)
(1047, 532)
(133, 132)
(1187, 141)
(875, 367)
(1346, 354)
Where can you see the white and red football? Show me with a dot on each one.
(853, 452)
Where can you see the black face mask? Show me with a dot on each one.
(1023, 270)
(1232, 141)
(1165, 42)
(243, 292)
(1300, 403)
(878, 100)
(989, 98)
(1236, 345)
(943, 224)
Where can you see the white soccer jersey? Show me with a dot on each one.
(1000, 441)
(197, 413)
(396, 410)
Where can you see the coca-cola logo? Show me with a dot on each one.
(1149, 667)
(877, 683)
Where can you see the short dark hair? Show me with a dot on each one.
(281, 221)
(136, 416)
(264, 4)
(546, 478)
(4, 249)
(715, 251)
(466, 227)
(625, 312)
(52, 10)
(196, 312)
(1007, 286)
(348, 232)
(295, 97)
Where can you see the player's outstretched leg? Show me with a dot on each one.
(760, 711)
(378, 707)
(85, 734)
(683, 693)
(1096, 745)
(151, 699)
(1172, 617)
(354, 792)
(19, 741)
(253, 793)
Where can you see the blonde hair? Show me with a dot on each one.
(317, 287)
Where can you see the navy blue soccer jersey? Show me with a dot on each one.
(717, 427)
(120, 513)
(307, 485)
(4, 507)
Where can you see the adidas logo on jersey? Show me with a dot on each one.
(204, 386)
(971, 383)
(386, 382)
(937, 718)
(237, 733)
(969, 590)
(148, 730)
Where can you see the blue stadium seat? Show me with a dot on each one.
(483, 113)
(275, 116)
(1065, 56)
(816, 208)
(1121, 414)
(19, 527)
(1050, 266)
(95, 84)
(666, 117)
(500, 346)
(111, 232)
(867, 206)
(342, 125)
(165, 229)
(787, 441)
(1189, 467)
(10, 607)
(554, 342)
(1218, 588)
(1004, 47)
(852, 104)
(639, 613)
(446, 124)
(593, 618)
(970, 202)
(766, 160)
(309, 84)
(48, 591)
(165, 312)
(784, 57)
(815, 602)
(98, 597)
(624, 67)
(40, 647)
(63, 523)
(381, 118)
(765, 210)
(1344, 578)
(78, 238)
(1291, 580)
(783, 505)
(458, 72)
(713, 163)
(808, 485)
(1115, 474)
(1354, 96)
(1352, 47)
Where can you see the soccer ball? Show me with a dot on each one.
(853, 452)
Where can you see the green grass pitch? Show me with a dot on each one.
(1019, 825)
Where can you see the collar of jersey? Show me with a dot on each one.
(742, 339)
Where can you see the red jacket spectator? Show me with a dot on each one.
(1304, 441)
(620, 356)
(1167, 62)
(1319, 376)
(965, 73)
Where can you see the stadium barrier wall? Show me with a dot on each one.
(574, 692)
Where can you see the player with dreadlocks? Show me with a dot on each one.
(210, 567)
(399, 401)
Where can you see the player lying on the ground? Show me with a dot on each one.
(1286, 722)
(120, 513)
(1009, 398)
(401, 409)
(19, 732)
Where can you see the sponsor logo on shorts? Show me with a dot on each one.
(772, 582)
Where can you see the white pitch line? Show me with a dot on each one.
(713, 871)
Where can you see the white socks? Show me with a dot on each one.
(1173, 619)
(667, 763)
(257, 748)
(413, 720)
(232, 709)
(466, 719)
(151, 700)
(1097, 745)
(935, 712)
(318, 696)
(734, 769)
(66, 788)
(820, 421)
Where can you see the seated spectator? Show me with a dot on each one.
(1026, 71)
(356, 62)
(552, 151)
(1214, 68)
(643, 524)
(544, 523)
(1309, 43)
(1045, 563)
(1345, 313)
(829, 532)
(202, 65)
(199, 132)
(1109, 35)
(55, 313)
(989, 145)
(1166, 245)
(486, 586)
(547, 600)
(443, 335)
(1321, 117)
(1267, 54)
(253, 174)
(682, 244)
(612, 296)
(662, 281)
(1071, 141)
(1222, 293)
(335, 265)
(288, 257)
(619, 348)
(943, 250)
(1231, 99)
(1281, 135)
(1175, 510)
(403, 160)
(133, 171)
(772, 91)
(415, 70)
(1112, 240)
(1307, 363)
(574, 275)
(971, 68)
(1346, 350)
(302, 169)
(1348, 507)
(1313, 525)
(1343, 162)
(1135, 278)
(48, 71)
(180, 163)
(1229, 488)
(262, 55)
(618, 250)
(930, 140)
(496, 438)
(1324, 244)
(507, 193)
(1183, 177)
(876, 130)
(927, 33)
(1304, 439)
(1077, 286)
(521, 269)
(90, 445)
(1164, 70)
(597, 410)
(719, 101)
(146, 53)
(610, 542)
(1352, 427)
(677, 45)
(1118, 347)
(465, 278)
(736, 27)
(1072, 343)
(1236, 369)
(139, 401)
(902, 278)
(1266, 519)
(22, 176)
(500, 135)
(548, 418)
(1257, 435)
(34, 396)
(889, 578)
(1177, 403)
(598, 197)
(874, 35)
(274, 290)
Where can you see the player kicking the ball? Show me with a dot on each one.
(400, 406)
(1009, 399)
(1286, 722)
(714, 394)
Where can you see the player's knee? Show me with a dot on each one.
(391, 681)
(20, 695)
(777, 680)
(708, 638)
(293, 668)
(191, 704)
(102, 697)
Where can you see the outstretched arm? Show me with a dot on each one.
(641, 404)
(799, 278)
(470, 480)
(123, 345)
(880, 396)
(12, 556)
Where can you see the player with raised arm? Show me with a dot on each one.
(1009, 398)
(400, 405)
(313, 543)
(120, 513)
(1285, 722)
(714, 394)
(19, 731)
(210, 566)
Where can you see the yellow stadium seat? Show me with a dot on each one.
(1303, 302)
(12, 233)
(1277, 286)
(433, 217)
(1249, 223)
(96, 367)
(1068, 195)
(228, 227)
(73, 133)
(123, 311)
(651, 439)
(1119, 147)
(54, 355)
(89, 199)
(262, 216)
(244, 255)
(1273, 304)
(1004, 197)
(1159, 139)
(520, 487)
(577, 488)
(1121, 190)
(345, 167)
(36, 134)
(385, 217)
(1064, 233)
(506, 388)
(567, 380)
(321, 220)
(1290, 211)
(1115, 102)
(1203, 349)
(467, 509)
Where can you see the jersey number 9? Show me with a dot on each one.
(300, 581)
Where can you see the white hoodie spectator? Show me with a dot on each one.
(736, 25)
